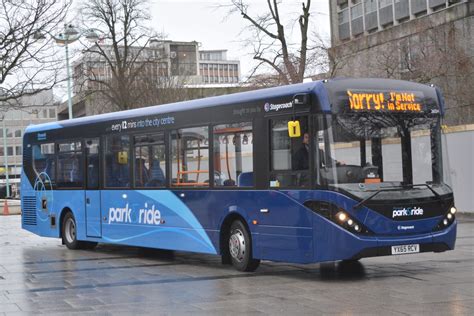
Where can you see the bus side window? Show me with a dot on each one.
(70, 165)
(233, 155)
(117, 161)
(289, 156)
(190, 157)
(150, 160)
(44, 162)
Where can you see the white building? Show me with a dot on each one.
(36, 109)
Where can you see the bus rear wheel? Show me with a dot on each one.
(240, 248)
(69, 234)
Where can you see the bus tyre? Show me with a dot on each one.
(69, 232)
(240, 248)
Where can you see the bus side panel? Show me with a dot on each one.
(284, 233)
(74, 200)
(152, 218)
(41, 209)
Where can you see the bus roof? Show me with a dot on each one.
(322, 90)
(240, 97)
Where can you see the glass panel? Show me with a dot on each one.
(289, 154)
(44, 163)
(190, 157)
(93, 163)
(117, 162)
(70, 169)
(18, 150)
(150, 161)
(233, 155)
(375, 149)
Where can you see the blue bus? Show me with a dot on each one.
(330, 170)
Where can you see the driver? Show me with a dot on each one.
(301, 156)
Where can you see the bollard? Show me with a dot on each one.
(5, 208)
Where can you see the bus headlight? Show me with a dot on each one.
(447, 219)
(346, 221)
(341, 216)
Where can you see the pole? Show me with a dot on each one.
(5, 157)
(69, 99)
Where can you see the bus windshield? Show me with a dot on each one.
(372, 151)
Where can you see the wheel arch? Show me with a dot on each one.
(225, 229)
(64, 211)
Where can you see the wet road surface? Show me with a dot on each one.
(38, 275)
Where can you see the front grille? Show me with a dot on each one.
(28, 214)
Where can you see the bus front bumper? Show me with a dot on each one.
(348, 246)
(434, 242)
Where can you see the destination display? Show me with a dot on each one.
(385, 101)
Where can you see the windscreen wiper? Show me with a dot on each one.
(436, 194)
(358, 205)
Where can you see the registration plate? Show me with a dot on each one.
(404, 249)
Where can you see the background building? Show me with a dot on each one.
(215, 68)
(36, 109)
(176, 70)
(429, 41)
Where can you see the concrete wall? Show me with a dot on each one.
(458, 162)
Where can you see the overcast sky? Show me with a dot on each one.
(202, 21)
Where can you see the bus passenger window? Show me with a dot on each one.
(233, 155)
(190, 157)
(289, 156)
(44, 163)
(117, 162)
(70, 166)
(150, 162)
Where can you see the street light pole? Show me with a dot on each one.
(5, 158)
(69, 97)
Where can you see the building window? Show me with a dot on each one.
(356, 11)
(70, 165)
(52, 113)
(10, 151)
(343, 17)
(18, 150)
(17, 132)
(190, 157)
(384, 3)
(233, 155)
(117, 162)
(370, 6)
(150, 160)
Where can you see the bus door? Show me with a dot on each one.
(93, 214)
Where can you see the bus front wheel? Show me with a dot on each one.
(69, 234)
(240, 248)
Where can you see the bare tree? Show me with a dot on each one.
(27, 66)
(116, 65)
(271, 42)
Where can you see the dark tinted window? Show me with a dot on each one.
(150, 160)
(70, 165)
(117, 162)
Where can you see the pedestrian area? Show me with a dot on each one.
(39, 275)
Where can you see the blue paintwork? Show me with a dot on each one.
(93, 214)
(192, 219)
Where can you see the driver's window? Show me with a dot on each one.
(289, 156)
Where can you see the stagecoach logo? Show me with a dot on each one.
(407, 211)
(277, 107)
